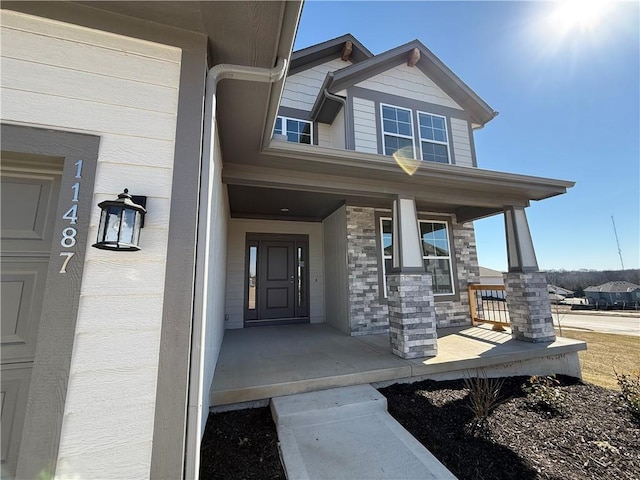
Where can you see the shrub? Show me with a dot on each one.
(544, 393)
(630, 390)
(484, 397)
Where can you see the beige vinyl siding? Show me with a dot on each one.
(325, 138)
(335, 268)
(65, 77)
(364, 125)
(214, 331)
(409, 82)
(461, 142)
(337, 130)
(332, 136)
(301, 89)
(238, 229)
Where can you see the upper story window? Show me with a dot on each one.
(297, 131)
(434, 144)
(436, 253)
(399, 135)
(397, 128)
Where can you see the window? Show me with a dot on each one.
(433, 138)
(398, 134)
(297, 131)
(397, 127)
(436, 253)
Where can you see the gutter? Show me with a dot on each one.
(347, 137)
(203, 249)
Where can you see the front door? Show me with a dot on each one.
(277, 279)
(30, 191)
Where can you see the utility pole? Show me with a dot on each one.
(617, 241)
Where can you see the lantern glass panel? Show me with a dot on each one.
(136, 229)
(103, 215)
(112, 224)
(126, 228)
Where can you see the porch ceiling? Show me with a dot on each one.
(329, 176)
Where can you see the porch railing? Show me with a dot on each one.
(488, 304)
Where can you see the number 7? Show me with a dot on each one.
(63, 269)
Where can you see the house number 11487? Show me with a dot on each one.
(68, 239)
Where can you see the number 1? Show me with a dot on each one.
(78, 165)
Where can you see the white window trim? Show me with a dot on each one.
(446, 132)
(424, 257)
(448, 257)
(284, 125)
(412, 136)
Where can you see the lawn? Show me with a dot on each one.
(606, 352)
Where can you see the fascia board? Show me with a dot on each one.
(429, 64)
(288, 28)
(316, 54)
(535, 188)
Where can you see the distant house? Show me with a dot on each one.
(614, 293)
(559, 291)
(489, 276)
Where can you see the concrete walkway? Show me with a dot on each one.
(346, 433)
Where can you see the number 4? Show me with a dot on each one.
(63, 269)
(72, 214)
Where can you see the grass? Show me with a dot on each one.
(606, 351)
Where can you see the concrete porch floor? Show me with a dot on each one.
(264, 362)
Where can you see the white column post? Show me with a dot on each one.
(412, 315)
(526, 288)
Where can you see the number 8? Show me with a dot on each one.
(68, 237)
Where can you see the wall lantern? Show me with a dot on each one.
(120, 222)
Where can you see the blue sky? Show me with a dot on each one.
(569, 103)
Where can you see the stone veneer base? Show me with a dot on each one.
(529, 307)
(412, 315)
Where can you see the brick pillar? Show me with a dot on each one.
(529, 307)
(412, 315)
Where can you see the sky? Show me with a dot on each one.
(566, 84)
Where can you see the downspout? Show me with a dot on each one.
(347, 137)
(203, 247)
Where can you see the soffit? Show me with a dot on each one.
(242, 33)
(374, 180)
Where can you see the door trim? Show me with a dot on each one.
(49, 380)
(250, 317)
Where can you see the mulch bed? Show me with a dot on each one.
(241, 444)
(595, 437)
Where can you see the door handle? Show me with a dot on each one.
(291, 280)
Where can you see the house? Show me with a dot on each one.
(360, 219)
(619, 294)
(560, 292)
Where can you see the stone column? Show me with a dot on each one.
(412, 314)
(526, 288)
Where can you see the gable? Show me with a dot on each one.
(301, 89)
(409, 82)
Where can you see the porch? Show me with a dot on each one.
(256, 364)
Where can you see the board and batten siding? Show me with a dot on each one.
(461, 142)
(336, 285)
(301, 89)
(236, 272)
(409, 82)
(65, 77)
(364, 125)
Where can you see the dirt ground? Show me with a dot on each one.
(595, 438)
